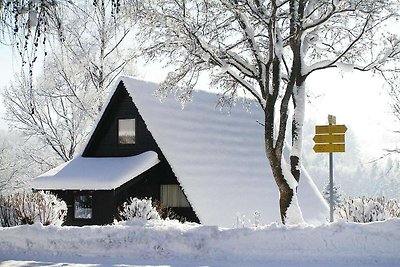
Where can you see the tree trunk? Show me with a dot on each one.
(274, 156)
(285, 192)
(297, 129)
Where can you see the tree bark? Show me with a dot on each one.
(298, 90)
(285, 192)
(297, 129)
(274, 156)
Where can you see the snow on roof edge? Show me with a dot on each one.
(95, 173)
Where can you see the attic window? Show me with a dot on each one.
(83, 207)
(126, 131)
(171, 195)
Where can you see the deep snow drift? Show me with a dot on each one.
(175, 244)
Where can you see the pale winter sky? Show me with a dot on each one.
(357, 99)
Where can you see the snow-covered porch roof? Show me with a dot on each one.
(95, 173)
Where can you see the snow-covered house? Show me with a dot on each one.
(207, 164)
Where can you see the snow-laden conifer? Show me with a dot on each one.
(337, 194)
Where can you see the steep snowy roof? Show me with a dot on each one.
(96, 173)
(219, 157)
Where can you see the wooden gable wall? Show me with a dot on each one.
(104, 140)
(104, 143)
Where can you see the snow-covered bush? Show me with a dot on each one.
(392, 207)
(138, 209)
(367, 209)
(25, 206)
(167, 212)
(52, 210)
(8, 216)
(32, 207)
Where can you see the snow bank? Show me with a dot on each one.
(168, 241)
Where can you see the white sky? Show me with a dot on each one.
(357, 99)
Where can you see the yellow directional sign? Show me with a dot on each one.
(323, 148)
(328, 138)
(330, 129)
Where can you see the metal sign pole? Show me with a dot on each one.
(331, 185)
(331, 121)
(330, 139)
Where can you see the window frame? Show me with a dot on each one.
(79, 195)
(118, 131)
(183, 201)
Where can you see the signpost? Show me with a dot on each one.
(330, 139)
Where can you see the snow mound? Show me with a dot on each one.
(349, 244)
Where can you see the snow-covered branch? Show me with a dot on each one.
(307, 70)
(266, 48)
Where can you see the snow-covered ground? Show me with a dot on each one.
(168, 243)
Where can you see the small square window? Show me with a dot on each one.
(126, 131)
(83, 207)
(171, 195)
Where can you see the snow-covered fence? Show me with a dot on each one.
(31, 207)
(367, 209)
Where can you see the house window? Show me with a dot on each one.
(126, 131)
(83, 207)
(171, 195)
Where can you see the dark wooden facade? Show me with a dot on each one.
(104, 143)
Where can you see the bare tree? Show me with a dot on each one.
(267, 49)
(25, 25)
(55, 114)
(29, 25)
(14, 168)
(7, 168)
(97, 40)
(61, 105)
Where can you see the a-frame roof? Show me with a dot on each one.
(218, 157)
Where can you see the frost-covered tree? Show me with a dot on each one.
(7, 168)
(25, 25)
(14, 168)
(99, 41)
(29, 26)
(51, 113)
(337, 194)
(60, 105)
(267, 49)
